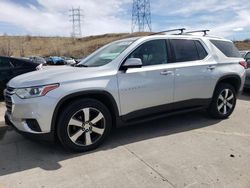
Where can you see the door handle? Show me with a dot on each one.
(166, 72)
(211, 67)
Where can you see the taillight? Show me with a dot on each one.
(243, 63)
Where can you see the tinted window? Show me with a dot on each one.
(247, 56)
(201, 51)
(151, 53)
(227, 48)
(185, 50)
(4, 63)
(16, 63)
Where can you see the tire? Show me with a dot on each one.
(84, 125)
(223, 101)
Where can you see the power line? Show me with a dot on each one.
(76, 19)
(141, 16)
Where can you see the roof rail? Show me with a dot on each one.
(198, 31)
(181, 31)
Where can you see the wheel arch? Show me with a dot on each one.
(232, 79)
(103, 96)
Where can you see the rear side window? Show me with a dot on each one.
(187, 50)
(16, 63)
(201, 51)
(247, 56)
(4, 63)
(227, 48)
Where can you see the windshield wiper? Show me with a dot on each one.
(81, 65)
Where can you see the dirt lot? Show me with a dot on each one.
(188, 150)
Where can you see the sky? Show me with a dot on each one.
(225, 18)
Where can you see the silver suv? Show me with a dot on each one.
(125, 82)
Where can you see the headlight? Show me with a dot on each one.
(36, 91)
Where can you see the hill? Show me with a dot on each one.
(65, 46)
(56, 46)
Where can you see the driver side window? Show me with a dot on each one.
(151, 53)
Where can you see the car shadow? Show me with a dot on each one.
(18, 154)
(245, 95)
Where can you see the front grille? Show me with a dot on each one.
(8, 101)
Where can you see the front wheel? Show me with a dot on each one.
(223, 102)
(84, 125)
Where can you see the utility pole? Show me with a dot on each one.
(75, 18)
(141, 16)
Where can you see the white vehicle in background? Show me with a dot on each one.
(37, 59)
(69, 60)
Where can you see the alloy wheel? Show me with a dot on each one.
(226, 101)
(86, 126)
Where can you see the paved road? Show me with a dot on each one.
(190, 150)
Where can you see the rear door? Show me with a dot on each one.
(194, 71)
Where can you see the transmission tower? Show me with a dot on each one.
(141, 16)
(75, 18)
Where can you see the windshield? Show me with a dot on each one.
(106, 55)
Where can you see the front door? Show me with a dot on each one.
(142, 89)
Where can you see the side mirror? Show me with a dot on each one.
(132, 63)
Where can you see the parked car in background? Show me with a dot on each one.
(69, 60)
(246, 56)
(54, 60)
(12, 67)
(37, 59)
(78, 60)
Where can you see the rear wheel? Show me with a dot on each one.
(84, 125)
(223, 102)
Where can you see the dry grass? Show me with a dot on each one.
(65, 46)
(56, 46)
(243, 45)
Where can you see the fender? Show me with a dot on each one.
(90, 93)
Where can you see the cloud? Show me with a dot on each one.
(51, 17)
(221, 17)
(238, 29)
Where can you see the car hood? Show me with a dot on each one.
(63, 74)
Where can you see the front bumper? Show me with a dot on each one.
(43, 136)
(22, 111)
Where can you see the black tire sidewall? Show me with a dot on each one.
(69, 111)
